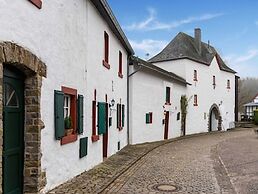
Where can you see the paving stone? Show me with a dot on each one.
(193, 165)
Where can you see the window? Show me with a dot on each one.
(149, 118)
(178, 116)
(228, 84)
(68, 115)
(195, 75)
(195, 100)
(106, 50)
(120, 70)
(70, 97)
(214, 82)
(37, 3)
(67, 106)
(120, 116)
(168, 96)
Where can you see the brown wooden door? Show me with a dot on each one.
(105, 136)
(166, 125)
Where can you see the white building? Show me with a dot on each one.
(211, 95)
(250, 107)
(60, 59)
(154, 102)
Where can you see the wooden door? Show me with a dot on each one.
(105, 135)
(166, 125)
(13, 133)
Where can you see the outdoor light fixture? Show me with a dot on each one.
(112, 103)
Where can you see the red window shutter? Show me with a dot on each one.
(195, 100)
(93, 117)
(120, 68)
(150, 117)
(106, 38)
(37, 3)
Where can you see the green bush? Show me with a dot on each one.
(256, 117)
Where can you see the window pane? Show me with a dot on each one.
(10, 96)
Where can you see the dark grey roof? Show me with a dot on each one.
(106, 12)
(251, 104)
(184, 46)
(142, 63)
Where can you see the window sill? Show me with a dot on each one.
(94, 138)
(167, 103)
(228, 88)
(120, 128)
(195, 80)
(68, 139)
(105, 64)
(37, 3)
(195, 104)
(120, 75)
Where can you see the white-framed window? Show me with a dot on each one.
(67, 106)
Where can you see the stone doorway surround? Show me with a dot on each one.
(34, 69)
(215, 108)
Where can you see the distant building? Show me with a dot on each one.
(250, 107)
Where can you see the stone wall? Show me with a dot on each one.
(14, 55)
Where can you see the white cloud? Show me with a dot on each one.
(249, 56)
(246, 64)
(148, 47)
(152, 23)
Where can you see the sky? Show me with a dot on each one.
(231, 26)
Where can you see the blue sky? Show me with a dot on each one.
(231, 26)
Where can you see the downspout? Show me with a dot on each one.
(128, 95)
(128, 101)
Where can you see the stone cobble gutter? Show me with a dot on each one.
(100, 177)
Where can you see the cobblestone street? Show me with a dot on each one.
(225, 162)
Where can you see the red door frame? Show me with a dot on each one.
(166, 125)
(105, 136)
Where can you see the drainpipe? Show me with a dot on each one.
(128, 101)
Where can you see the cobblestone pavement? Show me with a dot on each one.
(98, 178)
(193, 165)
(224, 162)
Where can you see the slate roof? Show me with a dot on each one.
(184, 46)
(106, 12)
(148, 65)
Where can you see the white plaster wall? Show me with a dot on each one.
(68, 35)
(147, 94)
(198, 116)
(178, 67)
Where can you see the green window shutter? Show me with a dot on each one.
(118, 115)
(80, 114)
(147, 118)
(102, 120)
(59, 114)
(83, 147)
(123, 115)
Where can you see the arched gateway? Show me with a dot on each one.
(215, 120)
(21, 75)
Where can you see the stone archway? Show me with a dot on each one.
(214, 112)
(34, 69)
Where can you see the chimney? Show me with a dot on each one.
(198, 39)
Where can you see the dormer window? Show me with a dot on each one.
(195, 75)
